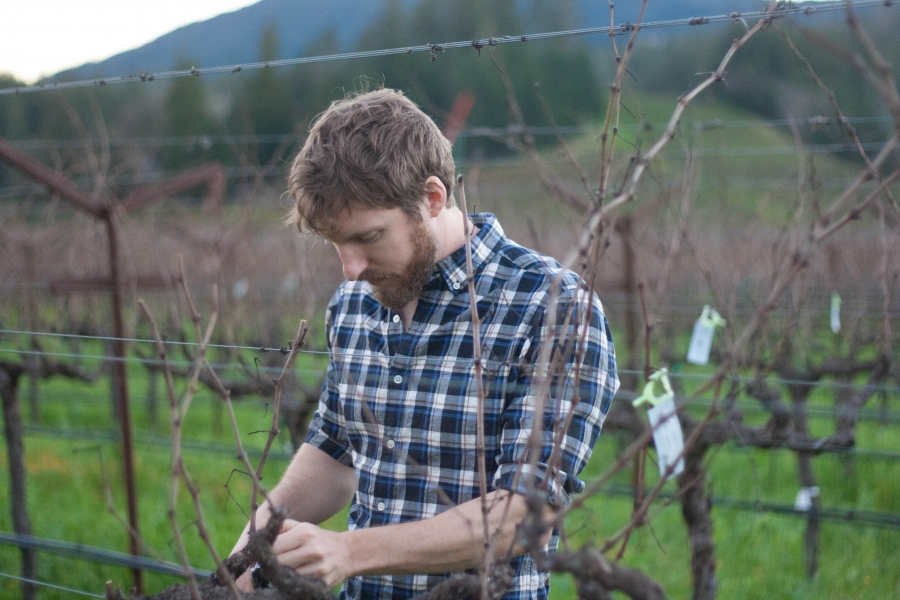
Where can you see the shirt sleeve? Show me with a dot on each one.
(576, 386)
(328, 429)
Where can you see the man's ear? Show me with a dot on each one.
(435, 195)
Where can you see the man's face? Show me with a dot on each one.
(392, 251)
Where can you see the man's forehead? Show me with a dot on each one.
(356, 220)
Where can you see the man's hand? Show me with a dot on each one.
(314, 487)
(313, 551)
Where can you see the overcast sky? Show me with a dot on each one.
(42, 37)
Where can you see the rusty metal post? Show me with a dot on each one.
(13, 427)
(121, 382)
(214, 177)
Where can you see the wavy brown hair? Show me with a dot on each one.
(373, 150)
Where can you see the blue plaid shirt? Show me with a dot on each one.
(400, 407)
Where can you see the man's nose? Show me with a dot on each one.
(353, 262)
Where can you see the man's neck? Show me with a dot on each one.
(451, 231)
(407, 312)
(451, 236)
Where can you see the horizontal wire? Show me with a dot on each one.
(145, 177)
(146, 361)
(112, 434)
(837, 148)
(51, 585)
(874, 415)
(380, 360)
(851, 451)
(204, 141)
(324, 353)
(145, 341)
(492, 369)
(744, 379)
(279, 171)
(814, 303)
(99, 555)
(433, 49)
(672, 374)
(866, 414)
(860, 518)
(281, 138)
(149, 177)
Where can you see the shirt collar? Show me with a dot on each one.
(452, 269)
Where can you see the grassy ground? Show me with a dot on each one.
(742, 170)
(759, 554)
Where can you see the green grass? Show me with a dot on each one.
(742, 174)
(66, 493)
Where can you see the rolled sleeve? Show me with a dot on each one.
(580, 385)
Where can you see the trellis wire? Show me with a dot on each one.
(432, 49)
(268, 172)
(860, 518)
(868, 414)
(215, 448)
(144, 341)
(111, 435)
(94, 554)
(145, 177)
(51, 585)
(281, 138)
(147, 361)
(321, 353)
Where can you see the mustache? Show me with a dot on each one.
(374, 275)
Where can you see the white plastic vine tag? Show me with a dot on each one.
(664, 420)
(667, 437)
(835, 312)
(702, 338)
(804, 498)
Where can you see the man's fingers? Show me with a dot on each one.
(311, 551)
(318, 570)
(244, 583)
(287, 525)
(303, 556)
(294, 536)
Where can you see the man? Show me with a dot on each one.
(396, 431)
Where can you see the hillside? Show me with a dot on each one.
(234, 37)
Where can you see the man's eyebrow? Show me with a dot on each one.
(359, 235)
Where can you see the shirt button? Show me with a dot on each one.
(390, 443)
(380, 506)
(398, 379)
(455, 285)
(396, 318)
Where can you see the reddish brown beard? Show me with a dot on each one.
(397, 290)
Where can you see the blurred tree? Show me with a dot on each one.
(564, 68)
(265, 104)
(187, 115)
(314, 86)
(13, 123)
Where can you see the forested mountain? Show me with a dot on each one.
(234, 37)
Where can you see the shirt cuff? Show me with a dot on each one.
(518, 478)
(315, 437)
